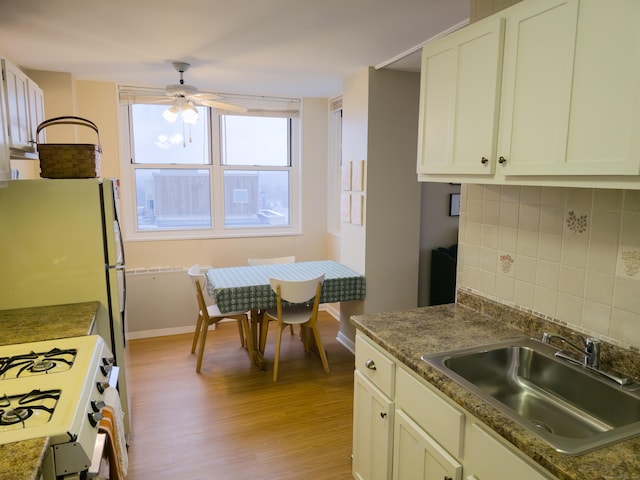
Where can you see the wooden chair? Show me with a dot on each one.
(297, 311)
(210, 315)
(270, 261)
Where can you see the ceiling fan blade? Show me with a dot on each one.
(221, 105)
(204, 96)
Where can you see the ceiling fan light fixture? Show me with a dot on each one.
(171, 113)
(189, 113)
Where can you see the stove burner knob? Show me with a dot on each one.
(97, 405)
(105, 369)
(108, 361)
(102, 386)
(94, 418)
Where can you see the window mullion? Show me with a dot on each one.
(217, 177)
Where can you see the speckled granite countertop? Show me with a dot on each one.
(23, 460)
(409, 334)
(23, 325)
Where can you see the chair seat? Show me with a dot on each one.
(214, 311)
(293, 315)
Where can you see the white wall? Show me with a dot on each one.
(380, 125)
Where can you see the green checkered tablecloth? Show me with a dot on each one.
(246, 288)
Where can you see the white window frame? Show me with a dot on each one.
(219, 230)
(334, 176)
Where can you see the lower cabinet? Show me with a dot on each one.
(487, 458)
(408, 430)
(418, 456)
(372, 431)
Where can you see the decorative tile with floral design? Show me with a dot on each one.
(577, 223)
(629, 262)
(506, 261)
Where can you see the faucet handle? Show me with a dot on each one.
(592, 349)
(546, 337)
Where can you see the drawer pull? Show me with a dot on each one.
(383, 415)
(484, 160)
(502, 160)
(370, 364)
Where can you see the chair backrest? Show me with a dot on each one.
(197, 273)
(268, 261)
(298, 291)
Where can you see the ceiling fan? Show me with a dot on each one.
(182, 98)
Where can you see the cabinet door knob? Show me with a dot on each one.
(502, 160)
(383, 415)
(484, 160)
(370, 364)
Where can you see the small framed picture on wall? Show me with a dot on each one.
(454, 204)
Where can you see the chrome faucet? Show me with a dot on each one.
(590, 352)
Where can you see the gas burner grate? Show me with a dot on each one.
(27, 410)
(32, 363)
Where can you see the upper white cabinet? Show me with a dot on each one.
(25, 110)
(459, 93)
(5, 164)
(536, 90)
(568, 102)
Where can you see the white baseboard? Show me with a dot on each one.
(346, 342)
(160, 332)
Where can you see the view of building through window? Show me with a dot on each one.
(231, 171)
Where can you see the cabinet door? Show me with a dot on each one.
(36, 111)
(605, 101)
(372, 431)
(540, 40)
(488, 459)
(5, 164)
(17, 95)
(460, 84)
(416, 456)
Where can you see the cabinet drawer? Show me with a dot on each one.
(375, 365)
(439, 419)
(487, 457)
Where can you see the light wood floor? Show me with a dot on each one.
(232, 421)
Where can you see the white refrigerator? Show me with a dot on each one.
(60, 243)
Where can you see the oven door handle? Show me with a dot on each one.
(98, 456)
(113, 376)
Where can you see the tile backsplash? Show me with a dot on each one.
(570, 255)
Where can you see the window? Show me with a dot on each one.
(226, 175)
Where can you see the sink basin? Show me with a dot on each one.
(571, 408)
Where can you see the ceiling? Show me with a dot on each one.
(263, 47)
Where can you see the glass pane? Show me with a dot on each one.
(156, 140)
(254, 141)
(254, 198)
(171, 198)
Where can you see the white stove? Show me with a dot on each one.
(55, 389)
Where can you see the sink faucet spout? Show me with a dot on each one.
(590, 351)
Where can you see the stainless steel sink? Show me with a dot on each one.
(572, 408)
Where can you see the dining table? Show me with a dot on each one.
(247, 289)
